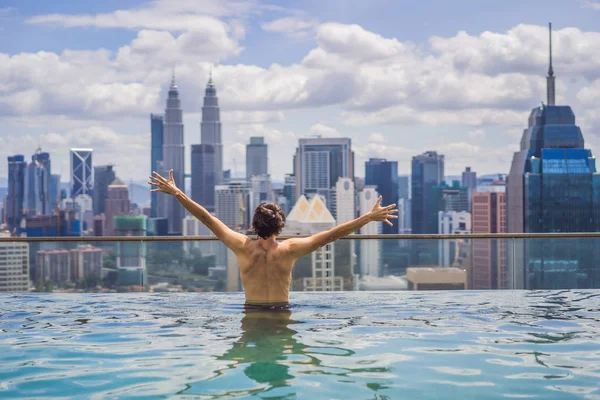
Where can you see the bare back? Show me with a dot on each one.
(266, 271)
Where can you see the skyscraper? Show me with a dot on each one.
(156, 155)
(210, 128)
(370, 254)
(203, 175)
(117, 203)
(489, 255)
(383, 175)
(469, 179)
(81, 172)
(54, 191)
(131, 256)
(14, 267)
(256, 157)
(403, 187)
(104, 175)
(345, 200)
(232, 201)
(37, 184)
(553, 186)
(427, 172)
(289, 191)
(173, 157)
(319, 163)
(16, 192)
(261, 190)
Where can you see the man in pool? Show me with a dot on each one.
(265, 264)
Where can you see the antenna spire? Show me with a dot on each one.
(550, 79)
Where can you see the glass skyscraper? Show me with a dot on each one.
(104, 175)
(81, 172)
(204, 175)
(553, 186)
(256, 157)
(384, 175)
(156, 155)
(16, 192)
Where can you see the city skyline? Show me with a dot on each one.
(124, 64)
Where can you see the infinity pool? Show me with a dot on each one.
(354, 345)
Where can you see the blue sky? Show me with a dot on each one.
(397, 77)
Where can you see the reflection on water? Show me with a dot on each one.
(377, 345)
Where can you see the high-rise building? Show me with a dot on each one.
(173, 158)
(16, 192)
(85, 213)
(104, 175)
(63, 265)
(370, 250)
(81, 172)
(427, 172)
(449, 198)
(256, 157)
(37, 184)
(210, 128)
(453, 223)
(469, 179)
(131, 256)
(14, 267)
(232, 203)
(404, 225)
(319, 163)
(156, 155)
(117, 204)
(261, 190)
(345, 200)
(63, 223)
(203, 175)
(383, 175)
(289, 191)
(316, 271)
(54, 191)
(489, 255)
(404, 187)
(553, 186)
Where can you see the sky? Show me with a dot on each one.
(397, 77)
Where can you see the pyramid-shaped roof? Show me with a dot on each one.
(313, 211)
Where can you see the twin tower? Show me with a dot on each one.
(168, 152)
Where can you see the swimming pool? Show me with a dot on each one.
(353, 345)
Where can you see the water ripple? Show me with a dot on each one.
(383, 345)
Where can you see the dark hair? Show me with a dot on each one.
(268, 220)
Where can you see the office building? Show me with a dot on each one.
(173, 158)
(54, 192)
(345, 200)
(489, 255)
(104, 175)
(156, 155)
(210, 129)
(204, 175)
(383, 175)
(370, 250)
(404, 223)
(289, 191)
(37, 184)
(81, 171)
(117, 204)
(131, 256)
(16, 192)
(553, 186)
(469, 179)
(449, 198)
(232, 203)
(84, 208)
(452, 250)
(261, 190)
(86, 261)
(404, 187)
(256, 157)
(427, 172)
(319, 163)
(14, 267)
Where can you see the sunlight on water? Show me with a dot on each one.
(366, 345)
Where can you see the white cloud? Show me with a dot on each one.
(476, 134)
(593, 4)
(299, 27)
(376, 138)
(324, 130)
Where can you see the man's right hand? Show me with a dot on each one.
(163, 185)
(379, 213)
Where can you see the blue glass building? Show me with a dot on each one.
(553, 186)
(384, 174)
(16, 192)
(156, 155)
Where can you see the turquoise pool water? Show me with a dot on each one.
(354, 345)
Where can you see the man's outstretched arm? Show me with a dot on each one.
(234, 240)
(301, 246)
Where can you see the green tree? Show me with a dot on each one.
(39, 286)
(49, 286)
(109, 260)
(220, 285)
